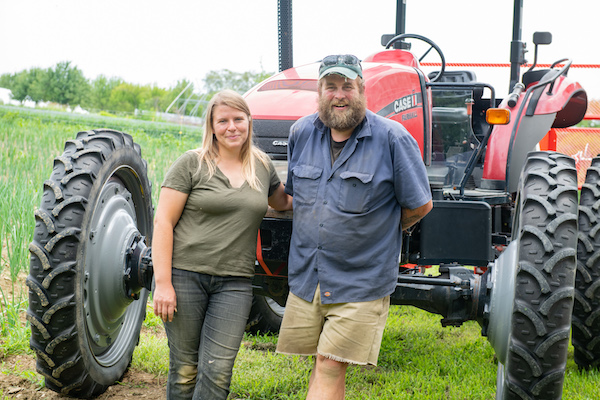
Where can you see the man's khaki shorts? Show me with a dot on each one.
(345, 332)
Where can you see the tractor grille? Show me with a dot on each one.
(271, 136)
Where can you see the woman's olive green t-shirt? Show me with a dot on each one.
(217, 231)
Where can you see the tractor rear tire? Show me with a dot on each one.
(265, 315)
(586, 310)
(84, 323)
(545, 226)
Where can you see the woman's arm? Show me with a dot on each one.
(170, 206)
(280, 200)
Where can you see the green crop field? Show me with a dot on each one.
(419, 359)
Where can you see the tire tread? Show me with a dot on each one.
(53, 263)
(546, 230)
(586, 309)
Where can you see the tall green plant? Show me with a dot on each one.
(29, 141)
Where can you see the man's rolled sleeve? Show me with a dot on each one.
(411, 184)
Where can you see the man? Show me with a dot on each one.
(357, 181)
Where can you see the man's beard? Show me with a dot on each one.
(342, 121)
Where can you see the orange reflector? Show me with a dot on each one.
(497, 116)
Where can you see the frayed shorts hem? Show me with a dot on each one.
(326, 355)
(295, 354)
(343, 360)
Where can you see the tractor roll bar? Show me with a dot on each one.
(517, 47)
(284, 19)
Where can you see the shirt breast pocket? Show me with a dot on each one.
(355, 192)
(306, 180)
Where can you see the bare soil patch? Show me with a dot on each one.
(135, 384)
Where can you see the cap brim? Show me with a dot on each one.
(347, 72)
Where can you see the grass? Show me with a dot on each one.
(14, 333)
(419, 359)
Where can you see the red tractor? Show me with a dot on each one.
(516, 248)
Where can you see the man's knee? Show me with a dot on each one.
(330, 367)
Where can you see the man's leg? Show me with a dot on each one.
(301, 326)
(328, 380)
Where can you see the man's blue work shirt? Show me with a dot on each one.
(346, 231)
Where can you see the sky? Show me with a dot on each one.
(162, 41)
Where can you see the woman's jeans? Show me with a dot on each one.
(205, 334)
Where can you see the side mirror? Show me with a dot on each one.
(542, 38)
(539, 38)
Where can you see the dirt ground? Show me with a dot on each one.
(134, 385)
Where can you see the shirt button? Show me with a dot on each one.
(325, 202)
(329, 180)
(321, 225)
(327, 294)
(320, 248)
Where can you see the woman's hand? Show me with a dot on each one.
(280, 200)
(164, 302)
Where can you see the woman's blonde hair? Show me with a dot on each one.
(249, 153)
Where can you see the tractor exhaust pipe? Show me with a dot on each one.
(517, 47)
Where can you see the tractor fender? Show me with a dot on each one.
(567, 99)
(560, 103)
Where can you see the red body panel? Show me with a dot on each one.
(394, 56)
(290, 94)
(394, 91)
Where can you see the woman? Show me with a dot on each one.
(209, 210)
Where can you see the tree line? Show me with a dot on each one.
(65, 84)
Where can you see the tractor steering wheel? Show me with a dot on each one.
(429, 42)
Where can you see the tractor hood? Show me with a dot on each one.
(288, 95)
(394, 87)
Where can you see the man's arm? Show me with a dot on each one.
(411, 217)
